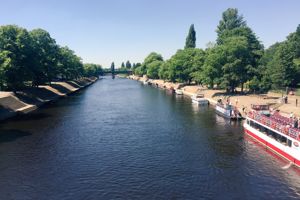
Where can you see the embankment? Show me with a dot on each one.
(30, 99)
(239, 100)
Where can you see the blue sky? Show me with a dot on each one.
(102, 31)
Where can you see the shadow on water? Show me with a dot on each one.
(31, 117)
(10, 135)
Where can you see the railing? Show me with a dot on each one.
(277, 122)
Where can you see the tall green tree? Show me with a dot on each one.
(191, 38)
(112, 68)
(122, 65)
(230, 21)
(232, 28)
(128, 64)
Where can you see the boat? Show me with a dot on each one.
(228, 111)
(199, 99)
(179, 92)
(278, 133)
(261, 108)
(146, 82)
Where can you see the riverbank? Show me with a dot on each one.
(239, 100)
(30, 99)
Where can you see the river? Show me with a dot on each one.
(118, 139)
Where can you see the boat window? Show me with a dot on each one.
(289, 143)
(283, 140)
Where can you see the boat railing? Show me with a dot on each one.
(281, 124)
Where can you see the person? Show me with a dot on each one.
(286, 99)
(295, 122)
(236, 102)
(243, 109)
(296, 102)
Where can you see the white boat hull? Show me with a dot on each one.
(200, 101)
(292, 153)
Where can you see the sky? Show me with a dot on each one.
(103, 31)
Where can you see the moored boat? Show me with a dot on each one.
(179, 92)
(146, 82)
(278, 133)
(261, 108)
(227, 110)
(199, 99)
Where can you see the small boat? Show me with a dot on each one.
(146, 82)
(199, 99)
(228, 111)
(261, 109)
(179, 92)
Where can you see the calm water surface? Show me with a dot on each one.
(121, 140)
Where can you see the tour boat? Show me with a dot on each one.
(199, 99)
(276, 132)
(179, 92)
(227, 111)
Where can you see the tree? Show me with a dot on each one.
(45, 56)
(164, 71)
(232, 28)
(69, 65)
(184, 63)
(112, 68)
(92, 70)
(234, 69)
(15, 48)
(153, 69)
(150, 65)
(152, 57)
(5, 64)
(122, 65)
(230, 20)
(191, 38)
(128, 64)
(212, 68)
(281, 63)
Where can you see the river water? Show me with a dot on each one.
(119, 139)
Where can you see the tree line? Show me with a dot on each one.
(236, 59)
(32, 58)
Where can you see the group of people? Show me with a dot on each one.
(296, 121)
